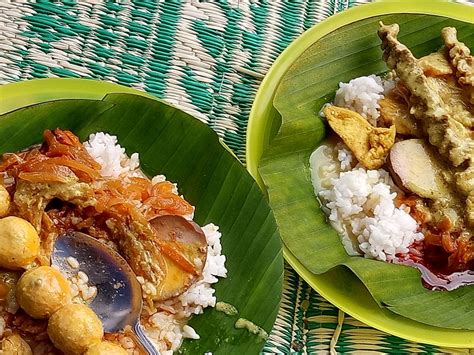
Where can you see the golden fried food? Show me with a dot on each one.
(106, 348)
(19, 243)
(369, 144)
(42, 291)
(75, 328)
(4, 201)
(14, 345)
(394, 111)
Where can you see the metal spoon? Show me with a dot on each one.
(119, 295)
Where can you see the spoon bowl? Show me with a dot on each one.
(119, 295)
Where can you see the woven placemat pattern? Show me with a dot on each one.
(208, 58)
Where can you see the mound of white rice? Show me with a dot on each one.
(362, 95)
(165, 329)
(359, 202)
(105, 149)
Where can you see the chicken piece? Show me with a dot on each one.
(369, 144)
(395, 111)
(135, 239)
(439, 104)
(461, 59)
(31, 199)
(435, 64)
(447, 122)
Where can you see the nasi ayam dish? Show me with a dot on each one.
(397, 178)
(64, 185)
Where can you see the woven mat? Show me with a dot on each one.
(207, 58)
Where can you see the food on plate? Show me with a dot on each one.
(192, 242)
(4, 201)
(414, 166)
(413, 201)
(42, 291)
(15, 345)
(64, 185)
(106, 348)
(440, 104)
(369, 144)
(395, 111)
(74, 328)
(19, 243)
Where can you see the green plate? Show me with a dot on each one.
(218, 185)
(339, 286)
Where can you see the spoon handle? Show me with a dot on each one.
(143, 339)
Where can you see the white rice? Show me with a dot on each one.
(362, 95)
(360, 203)
(72, 262)
(165, 330)
(105, 149)
(82, 291)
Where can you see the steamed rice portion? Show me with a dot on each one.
(166, 326)
(362, 95)
(360, 203)
(105, 150)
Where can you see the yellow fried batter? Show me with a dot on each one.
(369, 144)
(395, 111)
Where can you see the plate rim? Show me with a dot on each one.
(257, 128)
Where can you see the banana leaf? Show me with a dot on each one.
(173, 143)
(350, 51)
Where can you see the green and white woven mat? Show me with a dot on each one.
(208, 58)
